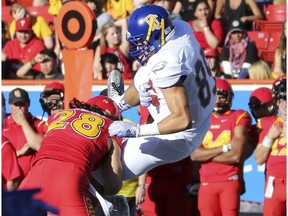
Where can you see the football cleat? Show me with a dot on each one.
(115, 84)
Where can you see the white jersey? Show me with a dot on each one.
(180, 58)
(186, 62)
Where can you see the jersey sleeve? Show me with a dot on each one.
(166, 72)
(243, 119)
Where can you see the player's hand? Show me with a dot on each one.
(144, 95)
(123, 129)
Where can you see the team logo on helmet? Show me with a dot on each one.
(153, 18)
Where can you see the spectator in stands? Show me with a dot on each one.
(279, 1)
(10, 167)
(260, 70)
(280, 55)
(213, 58)
(23, 48)
(169, 5)
(208, 32)
(245, 10)
(186, 8)
(49, 67)
(4, 33)
(37, 3)
(119, 9)
(109, 62)
(102, 16)
(4, 63)
(238, 52)
(110, 42)
(24, 131)
(40, 27)
(221, 154)
(271, 150)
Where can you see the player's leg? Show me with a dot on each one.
(276, 205)
(209, 199)
(144, 153)
(230, 198)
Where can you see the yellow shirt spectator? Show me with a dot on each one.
(119, 9)
(40, 27)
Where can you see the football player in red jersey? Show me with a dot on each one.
(221, 154)
(52, 98)
(76, 143)
(271, 150)
(264, 110)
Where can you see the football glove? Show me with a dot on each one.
(123, 129)
(144, 95)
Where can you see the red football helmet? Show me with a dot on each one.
(279, 88)
(261, 103)
(224, 89)
(106, 104)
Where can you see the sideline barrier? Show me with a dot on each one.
(253, 174)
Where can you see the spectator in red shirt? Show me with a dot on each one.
(208, 32)
(23, 48)
(10, 168)
(24, 131)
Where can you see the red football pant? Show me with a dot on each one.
(167, 198)
(64, 186)
(276, 205)
(219, 198)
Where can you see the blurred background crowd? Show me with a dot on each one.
(241, 39)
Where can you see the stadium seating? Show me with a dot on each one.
(261, 39)
(269, 53)
(275, 17)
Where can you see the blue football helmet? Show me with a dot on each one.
(149, 27)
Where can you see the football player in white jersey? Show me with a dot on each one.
(176, 85)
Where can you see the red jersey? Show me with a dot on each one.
(18, 55)
(127, 73)
(14, 133)
(220, 133)
(276, 164)
(10, 168)
(76, 136)
(216, 28)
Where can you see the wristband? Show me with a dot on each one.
(226, 148)
(205, 28)
(147, 130)
(267, 142)
(142, 186)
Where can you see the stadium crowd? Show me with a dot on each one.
(224, 30)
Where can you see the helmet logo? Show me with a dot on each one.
(156, 24)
